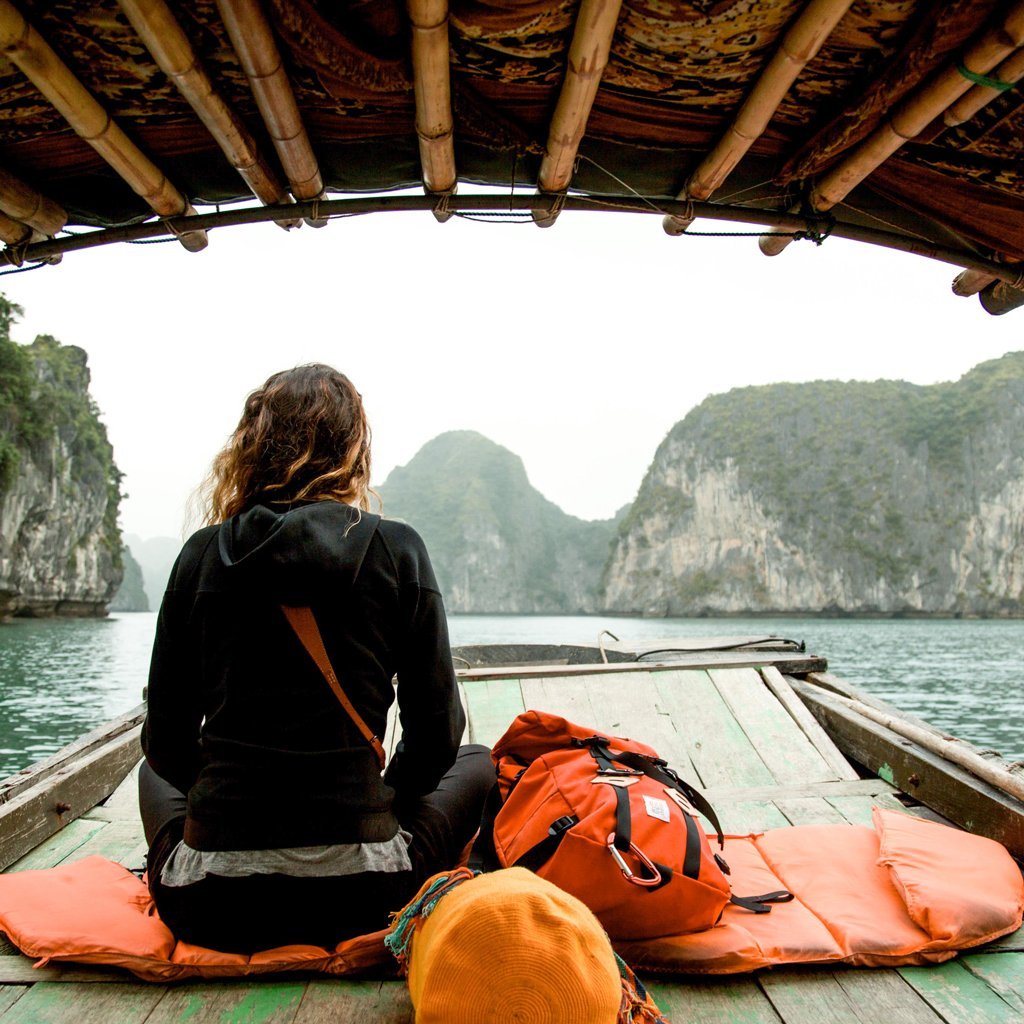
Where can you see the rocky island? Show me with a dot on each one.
(60, 545)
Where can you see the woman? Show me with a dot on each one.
(265, 811)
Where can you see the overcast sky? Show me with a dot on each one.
(577, 347)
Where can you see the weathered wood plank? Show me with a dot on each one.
(801, 998)
(16, 969)
(786, 662)
(57, 1003)
(861, 788)
(855, 809)
(1014, 942)
(713, 1000)
(123, 803)
(810, 811)
(53, 850)
(820, 740)
(117, 840)
(958, 995)
(718, 749)
(10, 994)
(569, 696)
(355, 1002)
(946, 788)
(739, 817)
(72, 753)
(776, 737)
(883, 997)
(392, 731)
(37, 812)
(264, 1002)
(1003, 973)
(492, 705)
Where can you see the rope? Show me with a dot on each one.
(497, 217)
(989, 83)
(151, 241)
(24, 270)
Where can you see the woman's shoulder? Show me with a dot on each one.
(193, 552)
(408, 551)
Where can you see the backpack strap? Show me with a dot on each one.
(761, 904)
(304, 624)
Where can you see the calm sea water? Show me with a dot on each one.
(60, 678)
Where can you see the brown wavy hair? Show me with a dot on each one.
(303, 436)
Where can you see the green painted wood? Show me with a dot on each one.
(810, 811)
(9, 995)
(630, 705)
(855, 809)
(59, 846)
(718, 748)
(492, 705)
(265, 1002)
(117, 840)
(1002, 972)
(802, 998)
(738, 817)
(1014, 941)
(781, 743)
(713, 1000)
(959, 995)
(568, 695)
(16, 969)
(883, 997)
(60, 1003)
(355, 1002)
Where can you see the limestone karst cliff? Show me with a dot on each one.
(496, 543)
(858, 498)
(60, 546)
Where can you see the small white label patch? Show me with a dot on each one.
(656, 808)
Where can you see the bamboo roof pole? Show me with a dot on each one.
(27, 49)
(163, 37)
(23, 203)
(1011, 71)
(253, 40)
(432, 76)
(799, 45)
(13, 232)
(913, 115)
(588, 56)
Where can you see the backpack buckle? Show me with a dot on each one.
(618, 771)
(650, 882)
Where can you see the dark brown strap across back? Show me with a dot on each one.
(303, 622)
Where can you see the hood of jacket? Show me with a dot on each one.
(299, 554)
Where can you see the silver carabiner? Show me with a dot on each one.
(646, 883)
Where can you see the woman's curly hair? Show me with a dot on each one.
(303, 436)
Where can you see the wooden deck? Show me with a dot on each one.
(739, 733)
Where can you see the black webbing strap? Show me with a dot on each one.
(540, 853)
(761, 904)
(660, 772)
(623, 820)
(691, 858)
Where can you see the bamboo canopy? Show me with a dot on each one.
(23, 45)
(801, 42)
(915, 114)
(588, 56)
(888, 121)
(172, 51)
(253, 41)
(434, 123)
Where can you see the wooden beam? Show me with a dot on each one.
(253, 40)
(163, 37)
(588, 56)
(916, 112)
(432, 76)
(25, 47)
(939, 784)
(23, 203)
(38, 811)
(801, 42)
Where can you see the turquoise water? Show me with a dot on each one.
(60, 678)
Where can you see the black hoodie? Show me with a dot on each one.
(239, 716)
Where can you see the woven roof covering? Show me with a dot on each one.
(593, 97)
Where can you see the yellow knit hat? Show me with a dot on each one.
(509, 948)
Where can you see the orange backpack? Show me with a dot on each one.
(606, 819)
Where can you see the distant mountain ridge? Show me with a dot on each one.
(845, 498)
(496, 543)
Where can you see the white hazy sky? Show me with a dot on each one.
(577, 347)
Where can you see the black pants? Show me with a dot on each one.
(243, 915)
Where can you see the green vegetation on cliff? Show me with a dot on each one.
(44, 398)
